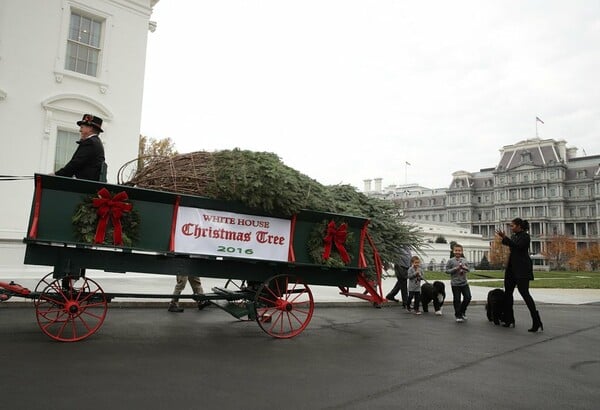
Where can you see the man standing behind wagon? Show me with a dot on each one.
(196, 285)
(88, 159)
(401, 271)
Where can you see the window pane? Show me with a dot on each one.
(71, 56)
(74, 27)
(95, 35)
(91, 70)
(93, 56)
(81, 63)
(84, 32)
(65, 147)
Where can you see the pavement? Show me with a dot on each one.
(347, 358)
(141, 283)
(350, 356)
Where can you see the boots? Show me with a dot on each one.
(537, 322)
(174, 307)
(203, 304)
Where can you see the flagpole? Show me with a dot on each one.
(537, 119)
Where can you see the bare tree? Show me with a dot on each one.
(150, 148)
(498, 253)
(560, 250)
(590, 257)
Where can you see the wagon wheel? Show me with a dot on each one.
(70, 314)
(235, 284)
(45, 281)
(49, 278)
(284, 306)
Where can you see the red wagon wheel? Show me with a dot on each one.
(45, 281)
(69, 313)
(284, 306)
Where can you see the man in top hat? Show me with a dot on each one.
(88, 159)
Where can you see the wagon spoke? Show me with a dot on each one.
(265, 299)
(275, 295)
(87, 295)
(53, 301)
(58, 316)
(60, 330)
(84, 322)
(91, 314)
(298, 295)
(295, 316)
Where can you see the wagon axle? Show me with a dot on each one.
(72, 307)
(285, 306)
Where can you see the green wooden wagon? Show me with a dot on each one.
(268, 261)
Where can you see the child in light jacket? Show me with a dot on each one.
(457, 268)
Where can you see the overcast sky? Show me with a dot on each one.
(347, 90)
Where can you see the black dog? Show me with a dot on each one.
(494, 307)
(435, 293)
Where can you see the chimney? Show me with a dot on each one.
(571, 153)
(562, 150)
(378, 184)
(367, 186)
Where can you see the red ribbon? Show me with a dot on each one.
(336, 236)
(113, 207)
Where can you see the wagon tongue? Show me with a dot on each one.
(11, 289)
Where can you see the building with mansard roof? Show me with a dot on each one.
(541, 180)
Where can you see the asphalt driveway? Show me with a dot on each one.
(348, 358)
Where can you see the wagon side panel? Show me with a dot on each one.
(57, 199)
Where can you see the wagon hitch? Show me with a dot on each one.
(7, 290)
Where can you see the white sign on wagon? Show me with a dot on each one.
(210, 232)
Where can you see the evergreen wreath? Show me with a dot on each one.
(316, 245)
(85, 222)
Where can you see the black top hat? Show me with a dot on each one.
(92, 121)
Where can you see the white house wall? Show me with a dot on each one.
(37, 95)
(474, 246)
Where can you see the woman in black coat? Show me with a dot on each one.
(518, 273)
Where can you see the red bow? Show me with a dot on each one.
(115, 207)
(336, 236)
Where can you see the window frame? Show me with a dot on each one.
(92, 47)
(60, 72)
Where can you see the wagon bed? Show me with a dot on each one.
(266, 257)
